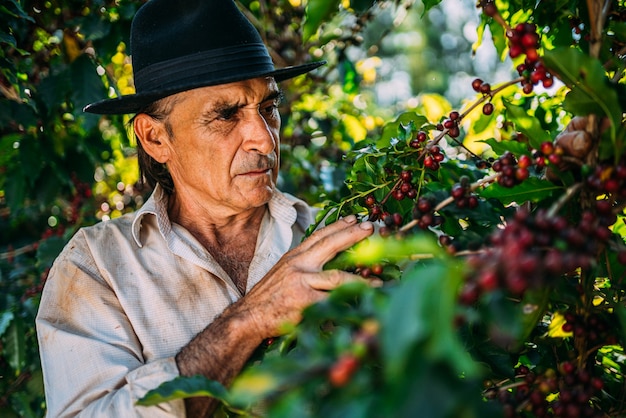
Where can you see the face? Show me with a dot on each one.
(225, 146)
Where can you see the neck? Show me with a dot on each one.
(231, 239)
(207, 224)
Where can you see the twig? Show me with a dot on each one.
(19, 251)
(556, 207)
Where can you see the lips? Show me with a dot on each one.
(262, 166)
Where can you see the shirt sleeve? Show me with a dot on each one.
(92, 360)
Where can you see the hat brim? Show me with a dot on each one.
(133, 103)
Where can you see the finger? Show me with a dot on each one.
(327, 247)
(578, 123)
(576, 143)
(330, 279)
(329, 229)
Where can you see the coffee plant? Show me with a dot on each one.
(500, 241)
(61, 169)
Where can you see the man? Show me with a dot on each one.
(212, 264)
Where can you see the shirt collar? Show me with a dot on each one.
(282, 206)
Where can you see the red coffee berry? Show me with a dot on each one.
(490, 9)
(370, 200)
(377, 269)
(546, 148)
(476, 84)
(342, 370)
(488, 109)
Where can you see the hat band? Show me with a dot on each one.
(216, 64)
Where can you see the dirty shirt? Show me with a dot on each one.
(125, 295)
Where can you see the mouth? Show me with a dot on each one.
(257, 172)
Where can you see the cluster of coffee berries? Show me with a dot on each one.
(512, 171)
(609, 178)
(424, 213)
(81, 194)
(419, 140)
(36, 288)
(531, 251)
(368, 271)
(480, 86)
(594, 328)
(533, 74)
(451, 124)
(462, 194)
(548, 153)
(524, 39)
(433, 158)
(535, 393)
(432, 154)
(392, 222)
(405, 188)
(375, 209)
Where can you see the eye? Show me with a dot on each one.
(270, 109)
(228, 113)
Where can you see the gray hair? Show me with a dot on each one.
(151, 171)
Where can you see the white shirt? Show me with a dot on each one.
(126, 295)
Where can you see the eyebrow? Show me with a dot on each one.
(221, 106)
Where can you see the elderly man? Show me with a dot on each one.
(213, 263)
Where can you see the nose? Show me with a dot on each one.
(259, 133)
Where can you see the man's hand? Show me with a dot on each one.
(575, 140)
(299, 280)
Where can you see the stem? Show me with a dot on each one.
(556, 207)
(19, 251)
(448, 200)
(490, 95)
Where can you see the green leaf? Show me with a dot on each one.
(49, 249)
(6, 38)
(429, 4)
(86, 84)
(527, 124)
(420, 316)
(393, 129)
(349, 75)
(14, 349)
(318, 11)
(591, 91)
(30, 158)
(377, 248)
(185, 387)
(361, 6)
(5, 321)
(531, 190)
(500, 147)
(15, 191)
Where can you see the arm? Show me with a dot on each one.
(296, 281)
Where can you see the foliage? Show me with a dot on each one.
(501, 248)
(503, 257)
(61, 169)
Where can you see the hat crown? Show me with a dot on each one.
(164, 29)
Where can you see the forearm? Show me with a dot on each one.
(219, 353)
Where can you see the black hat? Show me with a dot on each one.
(182, 45)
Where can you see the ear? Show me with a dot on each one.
(153, 137)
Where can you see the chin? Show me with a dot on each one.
(259, 197)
